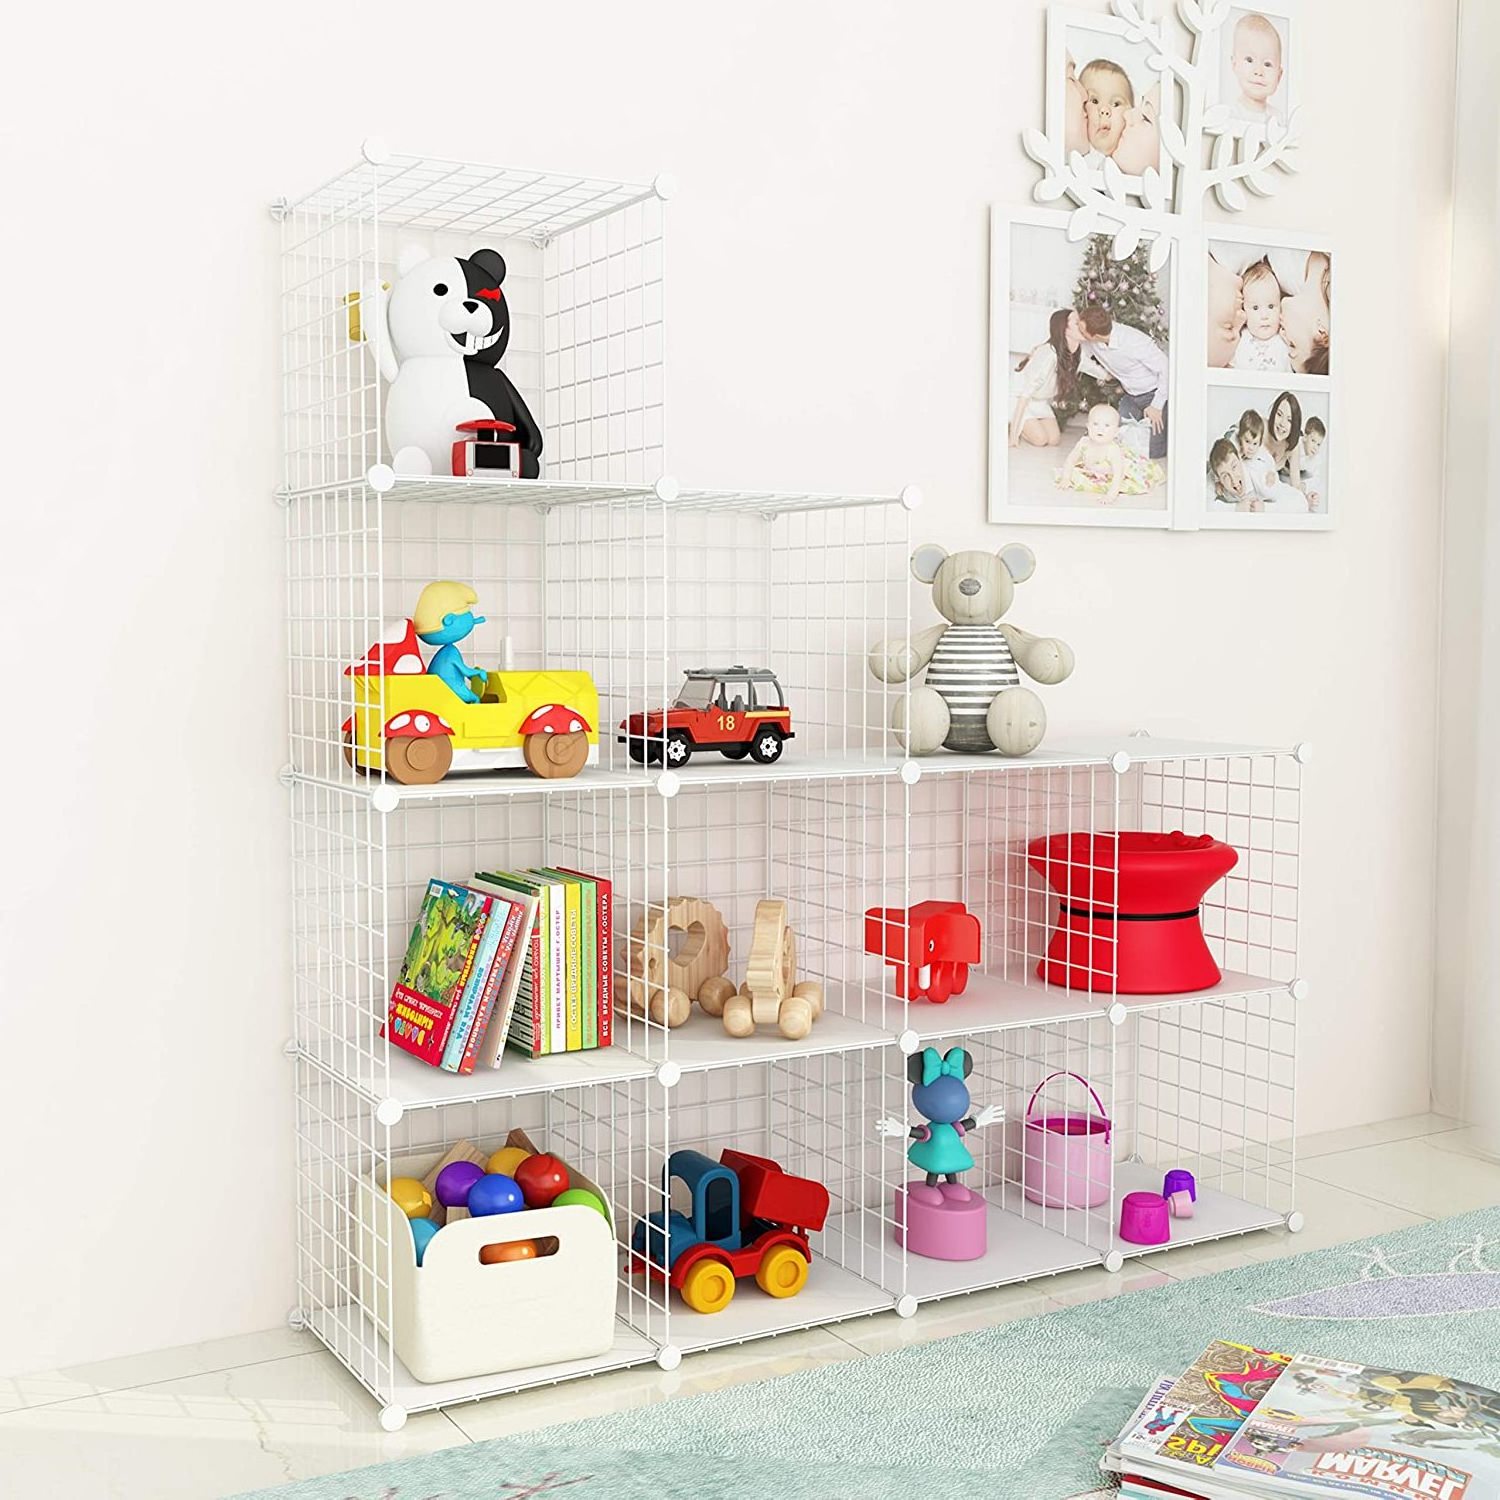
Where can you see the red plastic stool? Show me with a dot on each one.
(1128, 910)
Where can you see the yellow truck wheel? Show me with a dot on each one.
(556, 755)
(783, 1273)
(708, 1287)
(418, 762)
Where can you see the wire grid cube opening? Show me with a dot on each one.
(585, 283)
(360, 876)
(1212, 1088)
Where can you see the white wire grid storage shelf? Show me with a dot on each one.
(605, 567)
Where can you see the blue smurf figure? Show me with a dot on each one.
(444, 616)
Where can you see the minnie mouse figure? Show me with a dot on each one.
(940, 1093)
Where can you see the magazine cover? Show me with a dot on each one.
(1204, 1409)
(1328, 1428)
(436, 968)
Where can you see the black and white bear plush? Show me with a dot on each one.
(445, 327)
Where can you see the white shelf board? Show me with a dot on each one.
(708, 768)
(831, 1295)
(1216, 1215)
(1019, 1249)
(701, 1041)
(1084, 750)
(993, 1004)
(485, 784)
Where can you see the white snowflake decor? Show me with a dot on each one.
(1160, 205)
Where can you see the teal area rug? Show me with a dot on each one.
(1021, 1410)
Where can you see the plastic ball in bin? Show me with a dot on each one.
(411, 1197)
(583, 1198)
(454, 1182)
(495, 1193)
(495, 1255)
(542, 1178)
(506, 1160)
(422, 1231)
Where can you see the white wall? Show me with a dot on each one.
(827, 327)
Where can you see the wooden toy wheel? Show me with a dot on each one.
(350, 759)
(554, 756)
(703, 953)
(783, 1273)
(415, 762)
(708, 1287)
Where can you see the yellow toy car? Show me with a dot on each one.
(412, 725)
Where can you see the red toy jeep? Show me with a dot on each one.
(737, 711)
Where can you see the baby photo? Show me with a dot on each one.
(1267, 452)
(1253, 66)
(1085, 372)
(1112, 100)
(1268, 308)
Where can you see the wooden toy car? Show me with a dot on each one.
(747, 1218)
(737, 711)
(411, 725)
(487, 448)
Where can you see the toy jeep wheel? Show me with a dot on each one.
(734, 752)
(554, 756)
(644, 750)
(679, 749)
(708, 1286)
(418, 762)
(766, 746)
(783, 1273)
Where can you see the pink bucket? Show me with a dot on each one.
(1068, 1157)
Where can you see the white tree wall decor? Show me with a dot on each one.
(1204, 148)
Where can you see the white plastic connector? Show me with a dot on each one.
(1302, 752)
(908, 1041)
(289, 1047)
(668, 1357)
(664, 185)
(392, 1418)
(389, 1111)
(286, 775)
(1117, 1013)
(1295, 1222)
(1119, 762)
(380, 478)
(375, 151)
(1299, 990)
(1114, 1262)
(669, 1074)
(296, 1320)
(911, 772)
(385, 798)
(911, 497)
(666, 489)
(668, 784)
(906, 1306)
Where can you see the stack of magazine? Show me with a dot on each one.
(1243, 1423)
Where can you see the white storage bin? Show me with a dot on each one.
(454, 1317)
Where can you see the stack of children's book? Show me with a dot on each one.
(518, 957)
(1249, 1424)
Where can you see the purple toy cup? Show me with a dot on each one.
(1144, 1219)
(1180, 1180)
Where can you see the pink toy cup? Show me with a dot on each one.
(1144, 1219)
(1068, 1156)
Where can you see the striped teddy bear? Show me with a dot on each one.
(972, 699)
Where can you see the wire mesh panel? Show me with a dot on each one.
(584, 280)
(1213, 1090)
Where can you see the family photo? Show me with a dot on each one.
(1267, 453)
(1268, 307)
(1111, 99)
(1086, 372)
(1253, 67)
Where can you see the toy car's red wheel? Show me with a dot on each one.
(679, 749)
(734, 752)
(554, 756)
(418, 762)
(767, 745)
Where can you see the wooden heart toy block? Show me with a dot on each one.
(663, 983)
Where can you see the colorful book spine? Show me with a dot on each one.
(494, 982)
(531, 1021)
(599, 977)
(583, 1028)
(555, 954)
(488, 941)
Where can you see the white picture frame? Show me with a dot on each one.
(1081, 37)
(1293, 504)
(1222, 84)
(1022, 487)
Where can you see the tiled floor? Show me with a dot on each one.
(214, 1419)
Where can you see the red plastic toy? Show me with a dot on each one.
(1128, 910)
(541, 1178)
(487, 448)
(931, 947)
